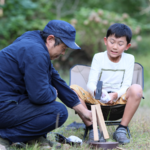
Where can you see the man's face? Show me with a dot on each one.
(115, 47)
(55, 51)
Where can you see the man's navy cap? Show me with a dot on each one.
(63, 30)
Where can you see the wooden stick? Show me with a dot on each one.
(57, 121)
(101, 121)
(95, 130)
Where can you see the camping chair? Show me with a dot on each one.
(79, 75)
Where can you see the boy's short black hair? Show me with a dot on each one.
(45, 35)
(120, 30)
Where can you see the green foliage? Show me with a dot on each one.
(24, 15)
(15, 20)
(21, 16)
(15, 7)
(92, 25)
(43, 11)
(121, 6)
(143, 47)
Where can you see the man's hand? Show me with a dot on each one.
(84, 112)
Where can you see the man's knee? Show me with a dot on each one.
(62, 112)
(59, 114)
(135, 91)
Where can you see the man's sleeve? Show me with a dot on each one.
(37, 79)
(65, 93)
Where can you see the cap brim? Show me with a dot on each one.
(70, 44)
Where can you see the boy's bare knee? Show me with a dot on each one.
(136, 91)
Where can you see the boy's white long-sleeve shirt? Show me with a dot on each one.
(116, 77)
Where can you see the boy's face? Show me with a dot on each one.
(115, 47)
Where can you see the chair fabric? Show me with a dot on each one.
(79, 75)
(138, 75)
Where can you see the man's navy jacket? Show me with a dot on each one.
(26, 72)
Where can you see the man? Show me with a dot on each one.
(29, 84)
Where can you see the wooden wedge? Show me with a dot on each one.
(95, 130)
(101, 122)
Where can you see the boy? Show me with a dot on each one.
(115, 69)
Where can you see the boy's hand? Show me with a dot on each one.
(105, 98)
(113, 96)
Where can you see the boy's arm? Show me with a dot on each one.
(94, 74)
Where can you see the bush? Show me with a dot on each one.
(92, 25)
(21, 16)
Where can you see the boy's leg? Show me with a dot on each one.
(133, 96)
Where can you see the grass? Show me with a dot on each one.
(139, 128)
(139, 125)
